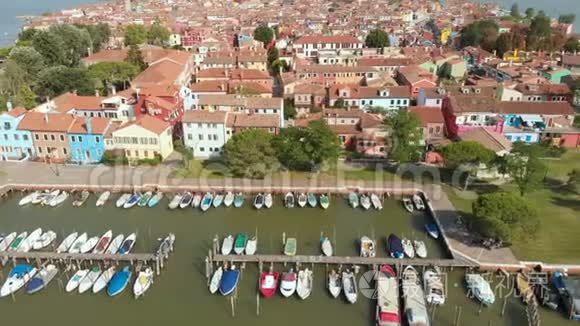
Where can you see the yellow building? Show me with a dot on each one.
(144, 138)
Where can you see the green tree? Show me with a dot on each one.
(99, 33)
(27, 34)
(289, 109)
(117, 74)
(135, 57)
(572, 44)
(158, 35)
(515, 11)
(340, 103)
(264, 34)
(405, 134)
(135, 35)
(527, 172)
(76, 42)
(273, 55)
(250, 154)
(505, 216)
(480, 33)
(540, 31)
(530, 12)
(13, 77)
(57, 80)
(377, 38)
(567, 19)
(467, 155)
(26, 97)
(503, 44)
(51, 47)
(29, 60)
(5, 52)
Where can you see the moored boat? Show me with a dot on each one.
(365, 202)
(103, 243)
(269, 283)
(144, 200)
(49, 197)
(434, 287)
(42, 278)
(67, 242)
(312, 201)
(186, 200)
(216, 280)
(58, 199)
(119, 281)
(133, 200)
(206, 201)
(229, 281)
(268, 201)
(252, 246)
(75, 280)
(289, 200)
(419, 204)
(89, 245)
(240, 243)
(81, 199)
(387, 313)
(89, 280)
(155, 199)
(227, 245)
(18, 241)
(75, 247)
(480, 288)
(367, 247)
(6, 241)
(115, 244)
(353, 200)
(239, 200)
(525, 290)
(18, 276)
(304, 284)
(290, 247)
(143, 282)
(324, 201)
(420, 248)
(229, 199)
(127, 244)
(408, 248)
(408, 204)
(288, 283)
(121, 201)
(174, 203)
(38, 199)
(28, 198)
(30, 240)
(103, 198)
(414, 298)
(103, 280)
(196, 200)
(376, 201)
(432, 230)
(259, 201)
(302, 200)
(44, 240)
(349, 286)
(395, 246)
(334, 284)
(218, 199)
(326, 246)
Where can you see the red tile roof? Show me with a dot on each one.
(205, 116)
(321, 39)
(69, 101)
(48, 122)
(428, 114)
(98, 125)
(150, 123)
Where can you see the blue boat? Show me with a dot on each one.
(154, 201)
(395, 246)
(34, 285)
(132, 201)
(238, 200)
(432, 230)
(558, 282)
(229, 281)
(312, 199)
(119, 282)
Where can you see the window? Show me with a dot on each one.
(202, 149)
(153, 141)
(99, 152)
(61, 138)
(80, 139)
(97, 139)
(5, 136)
(134, 140)
(39, 149)
(189, 137)
(64, 151)
(6, 125)
(16, 137)
(52, 138)
(73, 139)
(25, 137)
(136, 153)
(146, 153)
(45, 137)
(528, 138)
(200, 136)
(36, 137)
(438, 130)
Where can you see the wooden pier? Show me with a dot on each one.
(45, 255)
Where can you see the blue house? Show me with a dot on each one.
(515, 134)
(87, 139)
(14, 144)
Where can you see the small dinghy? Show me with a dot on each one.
(155, 199)
(89, 245)
(252, 246)
(408, 248)
(227, 245)
(289, 200)
(229, 199)
(419, 204)
(42, 278)
(38, 199)
(420, 248)
(103, 243)
(324, 201)
(353, 199)
(288, 283)
(365, 202)
(144, 200)
(119, 281)
(268, 201)
(186, 200)
(259, 201)
(103, 198)
(75, 280)
(44, 240)
(132, 201)
(128, 244)
(432, 230)
(28, 198)
(30, 240)
(122, 200)
(240, 243)
(49, 197)
(143, 282)
(6, 241)
(349, 286)
(218, 199)
(269, 283)
(326, 246)
(58, 199)
(434, 287)
(206, 201)
(302, 200)
(18, 241)
(376, 201)
(367, 247)
(166, 245)
(408, 204)
(115, 245)
(480, 288)
(395, 246)
(216, 280)
(229, 281)
(196, 200)
(239, 200)
(175, 201)
(90, 279)
(18, 276)
(304, 284)
(75, 247)
(103, 280)
(66, 244)
(290, 247)
(334, 284)
(81, 199)
(311, 197)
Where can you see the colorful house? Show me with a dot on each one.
(144, 138)
(86, 139)
(15, 144)
(49, 134)
(555, 74)
(562, 137)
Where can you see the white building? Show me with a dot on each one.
(310, 45)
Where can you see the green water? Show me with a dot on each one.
(180, 294)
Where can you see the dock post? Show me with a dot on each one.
(258, 300)
(503, 306)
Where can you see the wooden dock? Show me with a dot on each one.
(45, 255)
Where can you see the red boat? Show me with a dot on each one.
(268, 283)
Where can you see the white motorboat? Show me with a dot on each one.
(365, 202)
(115, 244)
(44, 240)
(186, 200)
(334, 284)
(229, 199)
(44, 276)
(408, 248)
(103, 280)
(376, 201)
(218, 199)
(434, 287)
(18, 241)
(133, 200)
(302, 200)
(122, 200)
(103, 243)
(480, 288)
(304, 284)
(103, 198)
(326, 246)
(349, 286)
(408, 204)
(259, 201)
(81, 199)
(143, 282)
(414, 297)
(76, 279)
(89, 280)
(89, 245)
(251, 246)
(19, 275)
(387, 311)
(196, 200)
(288, 283)
(268, 202)
(420, 248)
(58, 199)
(127, 244)
(6, 241)
(30, 240)
(67, 243)
(227, 245)
(28, 198)
(49, 197)
(419, 204)
(216, 280)
(38, 199)
(75, 247)
(367, 247)
(175, 201)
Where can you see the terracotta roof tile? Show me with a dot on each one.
(98, 125)
(320, 39)
(148, 122)
(428, 114)
(205, 116)
(55, 122)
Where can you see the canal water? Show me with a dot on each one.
(180, 294)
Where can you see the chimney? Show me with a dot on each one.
(88, 125)
(46, 117)
(9, 105)
(97, 93)
(113, 90)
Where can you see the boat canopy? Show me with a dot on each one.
(20, 270)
